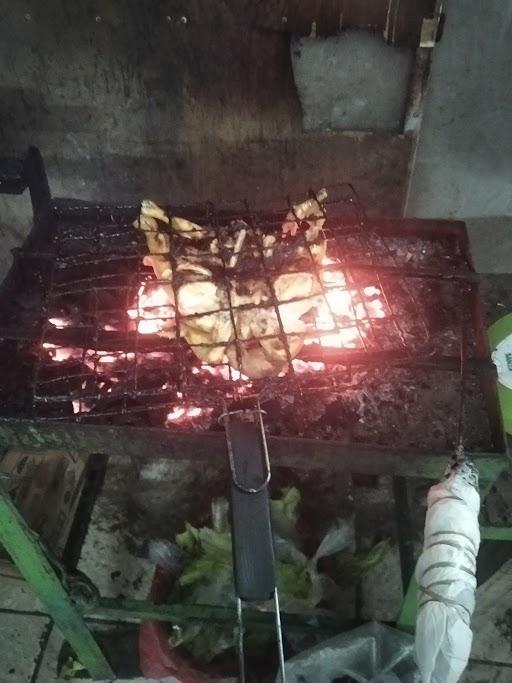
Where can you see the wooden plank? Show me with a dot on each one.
(46, 489)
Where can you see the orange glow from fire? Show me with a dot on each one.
(222, 371)
(340, 316)
(106, 359)
(179, 413)
(154, 312)
(91, 358)
(60, 354)
(175, 414)
(59, 323)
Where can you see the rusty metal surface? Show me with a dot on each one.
(305, 454)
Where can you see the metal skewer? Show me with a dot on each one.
(253, 550)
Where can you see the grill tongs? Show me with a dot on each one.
(251, 531)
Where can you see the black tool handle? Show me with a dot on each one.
(18, 174)
(12, 176)
(253, 550)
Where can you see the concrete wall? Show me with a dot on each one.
(463, 165)
(352, 81)
(126, 104)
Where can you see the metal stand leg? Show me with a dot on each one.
(29, 557)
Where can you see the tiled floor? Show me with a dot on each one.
(29, 644)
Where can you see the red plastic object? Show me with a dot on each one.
(156, 658)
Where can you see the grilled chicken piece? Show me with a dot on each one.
(254, 344)
(310, 211)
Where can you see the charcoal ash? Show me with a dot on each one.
(388, 406)
(391, 407)
(439, 255)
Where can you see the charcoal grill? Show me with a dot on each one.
(83, 261)
(83, 264)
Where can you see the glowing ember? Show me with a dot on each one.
(221, 371)
(340, 316)
(154, 311)
(175, 414)
(182, 413)
(59, 323)
(106, 359)
(60, 354)
(341, 319)
(94, 360)
(307, 366)
(91, 358)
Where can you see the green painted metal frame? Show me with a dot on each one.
(142, 443)
(29, 556)
(119, 609)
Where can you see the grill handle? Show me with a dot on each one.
(29, 171)
(253, 550)
(12, 176)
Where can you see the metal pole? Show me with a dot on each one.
(28, 555)
(279, 631)
(240, 641)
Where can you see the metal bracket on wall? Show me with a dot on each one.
(430, 35)
(431, 32)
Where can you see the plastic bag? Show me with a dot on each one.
(372, 653)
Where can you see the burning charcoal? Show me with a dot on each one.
(121, 296)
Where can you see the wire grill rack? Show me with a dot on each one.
(92, 355)
(78, 367)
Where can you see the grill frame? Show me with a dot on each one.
(307, 452)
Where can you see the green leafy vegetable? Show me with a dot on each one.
(207, 577)
(350, 568)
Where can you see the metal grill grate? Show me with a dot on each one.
(99, 359)
(78, 351)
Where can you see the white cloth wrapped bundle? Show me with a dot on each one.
(446, 576)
